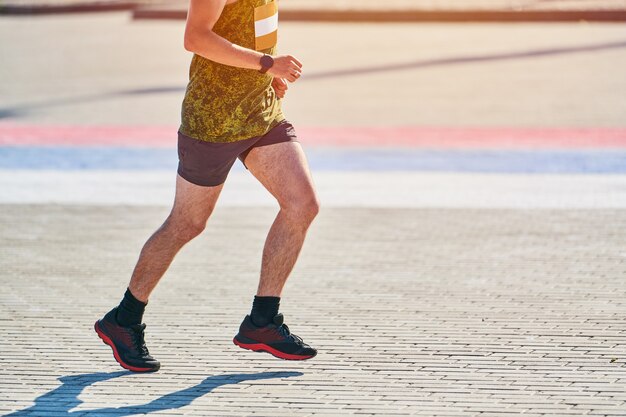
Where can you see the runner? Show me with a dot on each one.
(231, 110)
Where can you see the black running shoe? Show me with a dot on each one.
(129, 347)
(275, 339)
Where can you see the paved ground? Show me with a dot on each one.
(560, 75)
(415, 312)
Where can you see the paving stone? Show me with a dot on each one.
(433, 312)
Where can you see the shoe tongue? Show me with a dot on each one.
(138, 327)
(278, 319)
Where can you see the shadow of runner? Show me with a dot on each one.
(61, 400)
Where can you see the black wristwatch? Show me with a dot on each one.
(266, 63)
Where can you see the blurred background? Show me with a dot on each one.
(400, 85)
(129, 68)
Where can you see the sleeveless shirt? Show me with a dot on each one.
(227, 104)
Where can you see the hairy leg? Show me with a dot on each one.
(283, 170)
(193, 205)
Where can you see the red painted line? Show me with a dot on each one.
(64, 135)
(12, 134)
(467, 138)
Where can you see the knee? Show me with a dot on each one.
(305, 209)
(184, 230)
(313, 207)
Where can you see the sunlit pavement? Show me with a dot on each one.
(475, 268)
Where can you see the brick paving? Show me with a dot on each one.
(437, 312)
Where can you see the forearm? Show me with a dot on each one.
(209, 45)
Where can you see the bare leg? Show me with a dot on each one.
(193, 205)
(283, 171)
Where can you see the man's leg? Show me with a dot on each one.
(121, 328)
(193, 205)
(283, 171)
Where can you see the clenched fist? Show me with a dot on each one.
(286, 67)
(280, 87)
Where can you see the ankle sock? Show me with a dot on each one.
(130, 310)
(264, 309)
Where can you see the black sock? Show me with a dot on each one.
(264, 309)
(130, 310)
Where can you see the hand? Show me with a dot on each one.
(286, 67)
(280, 87)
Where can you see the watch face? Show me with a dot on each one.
(267, 61)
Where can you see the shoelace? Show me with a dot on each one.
(283, 329)
(138, 339)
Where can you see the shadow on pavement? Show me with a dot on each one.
(22, 110)
(61, 400)
(466, 60)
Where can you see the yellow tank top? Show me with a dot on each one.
(228, 104)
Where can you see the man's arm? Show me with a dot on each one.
(200, 39)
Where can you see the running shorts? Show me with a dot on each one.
(208, 163)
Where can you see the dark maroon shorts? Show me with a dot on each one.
(208, 163)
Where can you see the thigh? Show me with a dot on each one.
(283, 170)
(194, 203)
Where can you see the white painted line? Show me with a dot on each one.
(336, 189)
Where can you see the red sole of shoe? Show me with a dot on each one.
(107, 341)
(260, 347)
